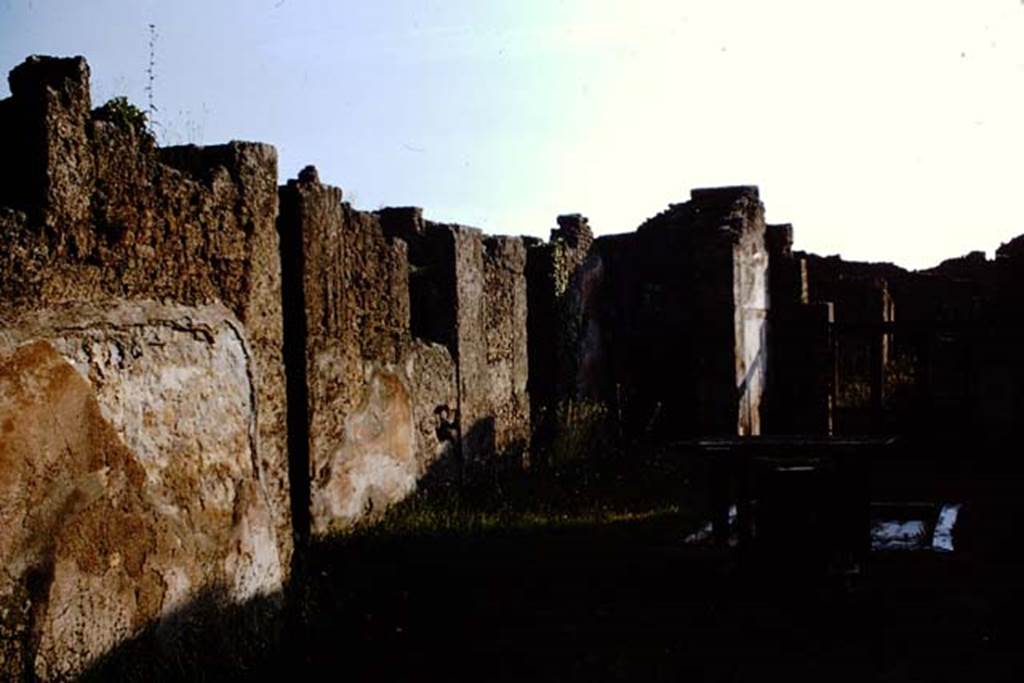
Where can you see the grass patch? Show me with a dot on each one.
(467, 570)
(572, 494)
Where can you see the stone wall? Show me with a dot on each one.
(564, 329)
(920, 353)
(682, 317)
(505, 331)
(664, 328)
(143, 399)
(469, 338)
(197, 366)
(750, 304)
(406, 352)
(469, 293)
(367, 401)
(800, 393)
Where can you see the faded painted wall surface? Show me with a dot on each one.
(150, 300)
(144, 420)
(469, 293)
(159, 469)
(116, 222)
(370, 399)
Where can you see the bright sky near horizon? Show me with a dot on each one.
(881, 129)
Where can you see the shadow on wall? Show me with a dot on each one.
(568, 371)
(212, 638)
(451, 472)
(296, 389)
(612, 600)
(208, 639)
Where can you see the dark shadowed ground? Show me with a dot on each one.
(587, 578)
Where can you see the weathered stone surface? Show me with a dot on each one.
(476, 419)
(507, 360)
(671, 319)
(99, 228)
(48, 121)
(114, 221)
(431, 374)
(372, 399)
(152, 489)
(566, 344)
(148, 299)
(750, 300)
(117, 222)
(432, 292)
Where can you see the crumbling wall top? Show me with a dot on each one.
(724, 195)
(574, 230)
(779, 239)
(718, 212)
(1012, 249)
(62, 74)
(202, 163)
(405, 222)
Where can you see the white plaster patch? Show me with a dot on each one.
(375, 464)
(899, 535)
(942, 539)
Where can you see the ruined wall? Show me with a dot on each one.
(476, 419)
(505, 309)
(996, 367)
(567, 378)
(140, 326)
(575, 272)
(958, 325)
(151, 301)
(799, 396)
(469, 293)
(367, 400)
(142, 420)
(664, 328)
(683, 314)
(750, 302)
(406, 351)
(918, 353)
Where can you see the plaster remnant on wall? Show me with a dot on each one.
(115, 537)
(371, 401)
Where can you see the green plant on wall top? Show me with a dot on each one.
(124, 115)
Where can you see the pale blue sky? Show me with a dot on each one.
(881, 129)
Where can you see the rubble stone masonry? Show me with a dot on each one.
(202, 371)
